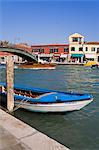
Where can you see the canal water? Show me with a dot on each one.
(78, 130)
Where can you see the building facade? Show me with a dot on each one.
(77, 51)
(3, 58)
(81, 51)
(76, 42)
(52, 52)
(91, 50)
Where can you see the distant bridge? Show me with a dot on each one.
(20, 52)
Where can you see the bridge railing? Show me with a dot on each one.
(12, 46)
(23, 51)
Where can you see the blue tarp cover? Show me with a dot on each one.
(52, 96)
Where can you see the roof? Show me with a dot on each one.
(76, 35)
(92, 43)
(50, 45)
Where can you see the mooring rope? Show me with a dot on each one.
(21, 102)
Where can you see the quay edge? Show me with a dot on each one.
(15, 134)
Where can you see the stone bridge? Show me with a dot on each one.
(22, 52)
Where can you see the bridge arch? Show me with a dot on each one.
(19, 52)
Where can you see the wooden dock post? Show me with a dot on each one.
(10, 82)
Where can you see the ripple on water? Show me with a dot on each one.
(78, 130)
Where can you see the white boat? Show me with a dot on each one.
(42, 100)
(54, 107)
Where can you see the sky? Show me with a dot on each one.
(48, 22)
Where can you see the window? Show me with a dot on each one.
(90, 59)
(34, 50)
(39, 50)
(75, 39)
(56, 50)
(42, 50)
(80, 48)
(51, 50)
(23, 59)
(98, 50)
(86, 49)
(93, 49)
(80, 39)
(2, 58)
(72, 48)
(66, 49)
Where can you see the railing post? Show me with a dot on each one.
(10, 82)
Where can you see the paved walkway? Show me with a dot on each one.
(16, 135)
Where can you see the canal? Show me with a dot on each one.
(78, 130)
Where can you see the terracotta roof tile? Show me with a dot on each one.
(93, 43)
(50, 45)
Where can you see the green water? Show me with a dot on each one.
(78, 130)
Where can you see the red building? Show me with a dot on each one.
(55, 52)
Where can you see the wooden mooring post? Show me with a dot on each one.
(10, 83)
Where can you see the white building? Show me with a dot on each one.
(81, 51)
(91, 50)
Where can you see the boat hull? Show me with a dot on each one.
(54, 107)
(37, 66)
(42, 100)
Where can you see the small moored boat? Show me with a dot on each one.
(30, 65)
(95, 66)
(42, 100)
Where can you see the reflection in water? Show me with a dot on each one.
(78, 130)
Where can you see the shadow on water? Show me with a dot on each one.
(76, 130)
(49, 123)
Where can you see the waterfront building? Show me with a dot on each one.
(52, 52)
(3, 58)
(91, 51)
(81, 51)
(76, 51)
(76, 42)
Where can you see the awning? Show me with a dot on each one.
(77, 55)
(90, 55)
(63, 55)
(56, 55)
